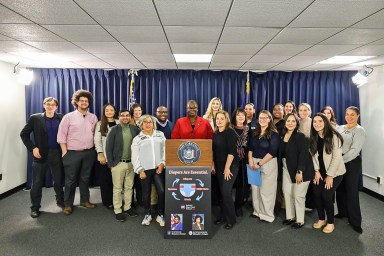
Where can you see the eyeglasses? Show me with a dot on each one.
(125, 116)
(147, 122)
(162, 112)
(263, 118)
(50, 104)
(192, 108)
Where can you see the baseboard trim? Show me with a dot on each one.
(374, 194)
(12, 191)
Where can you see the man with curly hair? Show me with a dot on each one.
(75, 136)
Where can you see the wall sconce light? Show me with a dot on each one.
(24, 75)
(361, 77)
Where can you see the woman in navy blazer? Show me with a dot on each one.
(296, 166)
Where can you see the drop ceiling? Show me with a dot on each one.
(144, 34)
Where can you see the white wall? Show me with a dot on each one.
(372, 119)
(13, 153)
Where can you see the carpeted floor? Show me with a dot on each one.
(96, 232)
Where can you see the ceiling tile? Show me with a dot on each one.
(249, 35)
(147, 48)
(321, 67)
(155, 65)
(16, 46)
(303, 60)
(259, 66)
(268, 58)
(235, 49)
(367, 50)
(336, 13)
(102, 47)
(192, 34)
(348, 68)
(184, 12)
(28, 32)
(121, 12)
(159, 58)
(283, 49)
(8, 16)
(374, 21)
(5, 38)
(357, 36)
(303, 35)
(126, 57)
(371, 62)
(221, 65)
(193, 48)
(81, 33)
(95, 63)
(230, 58)
(77, 57)
(138, 34)
(55, 47)
(50, 12)
(261, 13)
(327, 50)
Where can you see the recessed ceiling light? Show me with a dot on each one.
(344, 59)
(193, 58)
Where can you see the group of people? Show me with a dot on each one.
(300, 159)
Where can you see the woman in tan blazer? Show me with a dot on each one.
(326, 150)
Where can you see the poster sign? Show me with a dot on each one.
(188, 201)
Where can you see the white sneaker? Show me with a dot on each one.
(147, 220)
(160, 220)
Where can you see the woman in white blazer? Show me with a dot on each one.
(326, 150)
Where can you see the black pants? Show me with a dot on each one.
(138, 190)
(227, 206)
(347, 194)
(38, 173)
(241, 185)
(215, 188)
(324, 199)
(77, 169)
(105, 181)
(158, 180)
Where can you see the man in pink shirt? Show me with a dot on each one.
(75, 136)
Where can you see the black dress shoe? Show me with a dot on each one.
(357, 229)
(219, 221)
(228, 226)
(264, 221)
(253, 216)
(339, 216)
(297, 225)
(288, 222)
(239, 212)
(35, 213)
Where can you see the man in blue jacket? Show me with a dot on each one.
(46, 152)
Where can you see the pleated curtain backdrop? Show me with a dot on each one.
(173, 88)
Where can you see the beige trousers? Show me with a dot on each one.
(122, 175)
(294, 195)
(264, 197)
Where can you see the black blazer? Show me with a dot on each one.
(297, 157)
(36, 124)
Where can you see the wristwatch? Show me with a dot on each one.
(258, 163)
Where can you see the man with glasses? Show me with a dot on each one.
(46, 152)
(192, 126)
(75, 136)
(118, 150)
(163, 124)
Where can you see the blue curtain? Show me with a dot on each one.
(173, 88)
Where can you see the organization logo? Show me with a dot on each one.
(188, 152)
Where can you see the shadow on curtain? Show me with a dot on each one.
(173, 88)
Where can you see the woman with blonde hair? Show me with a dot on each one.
(213, 107)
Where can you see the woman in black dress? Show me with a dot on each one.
(226, 165)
